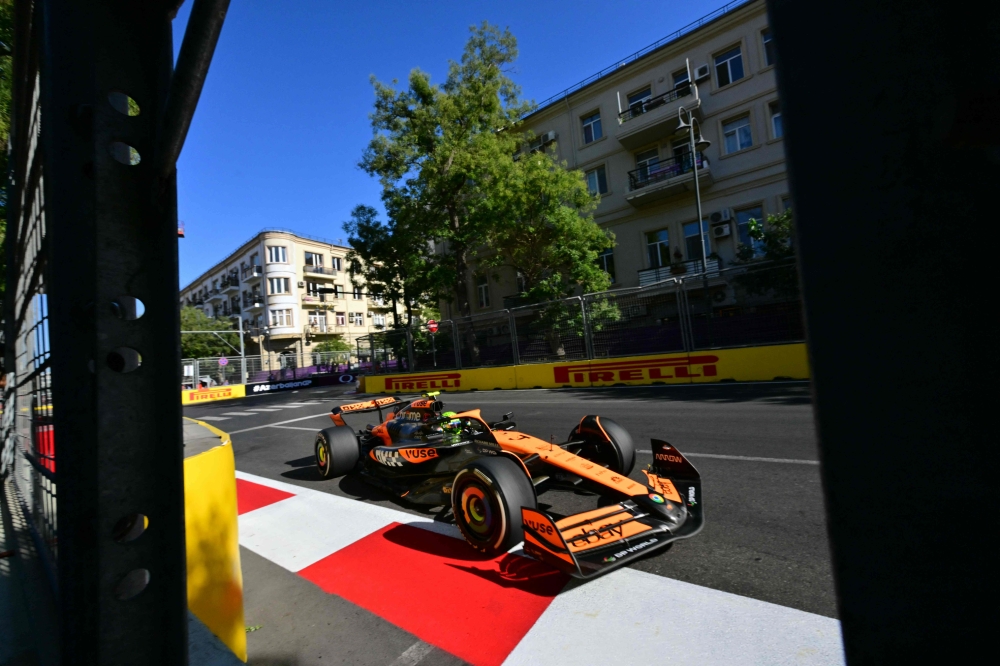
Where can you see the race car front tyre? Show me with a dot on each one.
(617, 451)
(337, 451)
(486, 498)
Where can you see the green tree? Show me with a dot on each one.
(203, 345)
(333, 345)
(545, 230)
(770, 260)
(438, 148)
(391, 260)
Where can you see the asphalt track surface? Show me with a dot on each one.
(754, 444)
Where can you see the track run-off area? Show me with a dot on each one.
(336, 571)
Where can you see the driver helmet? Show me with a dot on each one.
(453, 425)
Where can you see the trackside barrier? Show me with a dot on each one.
(214, 577)
(716, 365)
(197, 396)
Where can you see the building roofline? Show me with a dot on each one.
(242, 247)
(642, 53)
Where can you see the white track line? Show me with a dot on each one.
(746, 458)
(413, 654)
(213, 418)
(294, 428)
(261, 409)
(271, 425)
(238, 414)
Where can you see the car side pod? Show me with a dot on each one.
(595, 542)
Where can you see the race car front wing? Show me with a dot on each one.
(594, 542)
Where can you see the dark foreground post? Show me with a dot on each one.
(890, 214)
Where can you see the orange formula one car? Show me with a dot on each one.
(490, 474)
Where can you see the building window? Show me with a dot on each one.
(597, 180)
(378, 320)
(312, 288)
(521, 284)
(483, 290)
(681, 78)
(736, 134)
(279, 286)
(317, 319)
(729, 66)
(777, 130)
(377, 299)
(786, 203)
(281, 317)
(606, 260)
(356, 318)
(765, 36)
(658, 248)
(335, 263)
(645, 162)
(743, 218)
(276, 254)
(636, 99)
(592, 128)
(357, 294)
(255, 259)
(340, 319)
(691, 240)
(338, 291)
(313, 259)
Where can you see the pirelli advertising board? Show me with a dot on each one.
(195, 396)
(744, 364)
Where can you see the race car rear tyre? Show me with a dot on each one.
(618, 453)
(337, 451)
(486, 498)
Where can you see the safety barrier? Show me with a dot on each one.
(214, 576)
(717, 365)
(197, 396)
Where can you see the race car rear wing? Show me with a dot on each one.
(594, 542)
(378, 404)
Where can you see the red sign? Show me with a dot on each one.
(432, 326)
(647, 368)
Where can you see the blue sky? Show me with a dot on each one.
(283, 118)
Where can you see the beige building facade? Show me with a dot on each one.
(273, 283)
(622, 131)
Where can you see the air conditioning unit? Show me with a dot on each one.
(702, 72)
(721, 231)
(548, 137)
(301, 284)
(724, 215)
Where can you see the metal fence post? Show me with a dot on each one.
(513, 338)
(588, 340)
(458, 348)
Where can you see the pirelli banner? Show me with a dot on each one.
(741, 365)
(195, 396)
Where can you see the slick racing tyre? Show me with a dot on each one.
(616, 451)
(337, 451)
(486, 498)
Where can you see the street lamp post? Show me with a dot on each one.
(693, 144)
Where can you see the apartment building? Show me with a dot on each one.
(622, 131)
(273, 282)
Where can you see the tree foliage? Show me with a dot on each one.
(205, 345)
(391, 260)
(771, 258)
(332, 345)
(447, 158)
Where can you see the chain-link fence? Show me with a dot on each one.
(746, 305)
(222, 371)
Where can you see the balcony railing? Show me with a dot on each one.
(664, 170)
(316, 298)
(231, 281)
(321, 328)
(639, 108)
(320, 270)
(250, 272)
(685, 269)
(252, 300)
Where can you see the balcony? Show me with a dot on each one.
(321, 329)
(215, 294)
(251, 272)
(253, 301)
(322, 271)
(652, 119)
(666, 179)
(230, 282)
(684, 269)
